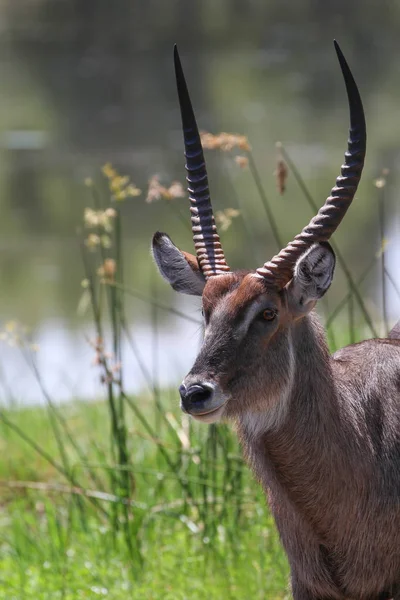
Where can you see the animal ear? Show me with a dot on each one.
(312, 277)
(180, 269)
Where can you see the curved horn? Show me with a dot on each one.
(205, 236)
(279, 270)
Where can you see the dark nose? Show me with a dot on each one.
(194, 396)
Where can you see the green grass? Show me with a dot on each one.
(39, 562)
(221, 543)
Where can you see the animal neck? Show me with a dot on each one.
(302, 460)
(306, 394)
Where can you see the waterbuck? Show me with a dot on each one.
(321, 432)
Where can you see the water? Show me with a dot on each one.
(66, 361)
(84, 83)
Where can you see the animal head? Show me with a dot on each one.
(247, 359)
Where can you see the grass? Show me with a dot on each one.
(55, 546)
(93, 564)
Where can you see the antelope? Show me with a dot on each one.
(320, 432)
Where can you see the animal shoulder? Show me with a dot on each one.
(368, 351)
(372, 370)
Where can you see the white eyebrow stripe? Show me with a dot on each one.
(251, 312)
(240, 330)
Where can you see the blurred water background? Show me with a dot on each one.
(85, 83)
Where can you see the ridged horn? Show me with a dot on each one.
(279, 270)
(205, 236)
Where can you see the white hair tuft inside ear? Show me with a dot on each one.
(312, 276)
(182, 275)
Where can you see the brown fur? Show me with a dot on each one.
(331, 465)
(192, 260)
(321, 432)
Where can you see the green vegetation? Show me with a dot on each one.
(125, 497)
(199, 527)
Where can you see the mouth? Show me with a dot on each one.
(211, 416)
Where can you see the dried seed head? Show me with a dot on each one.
(15, 334)
(224, 217)
(242, 161)
(157, 191)
(108, 171)
(98, 218)
(120, 186)
(281, 171)
(154, 191)
(224, 141)
(92, 241)
(108, 269)
(380, 182)
(176, 190)
(90, 218)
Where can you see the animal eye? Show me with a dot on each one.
(268, 314)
